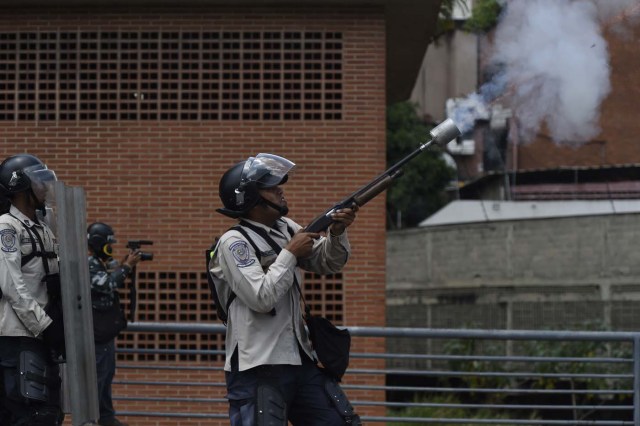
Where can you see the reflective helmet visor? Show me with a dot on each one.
(40, 173)
(41, 179)
(266, 170)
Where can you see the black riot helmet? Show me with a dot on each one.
(23, 172)
(240, 184)
(100, 237)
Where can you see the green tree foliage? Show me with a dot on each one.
(548, 373)
(434, 411)
(445, 22)
(484, 16)
(420, 191)
(587, 348)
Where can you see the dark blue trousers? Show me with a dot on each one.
(15, 409)
(302, 387)
(105, 369)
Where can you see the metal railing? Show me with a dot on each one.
(497, 377)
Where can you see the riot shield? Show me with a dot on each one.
(67, 216)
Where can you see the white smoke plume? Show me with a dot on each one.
(554, 64)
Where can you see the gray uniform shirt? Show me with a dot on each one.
(24, 293)
(265, 284)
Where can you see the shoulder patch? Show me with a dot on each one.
(241, 253)
(8, 240)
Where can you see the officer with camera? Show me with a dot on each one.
(107, 275)
(29, 288)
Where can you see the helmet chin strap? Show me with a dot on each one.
(283, 210)
(39, 206)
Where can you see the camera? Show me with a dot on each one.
(136, 244)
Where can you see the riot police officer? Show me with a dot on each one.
(29, 280)
(272, 374)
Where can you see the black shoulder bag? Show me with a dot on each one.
(108, 320)
(332, 345)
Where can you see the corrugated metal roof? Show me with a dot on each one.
(469, 211)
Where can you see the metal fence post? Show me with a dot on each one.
(636, 381)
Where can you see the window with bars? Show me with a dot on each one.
(185, 297)
(171, 297)
(182, 75)
(325, 295)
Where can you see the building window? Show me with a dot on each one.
(181, 75)
(324, 294)
(171, 297)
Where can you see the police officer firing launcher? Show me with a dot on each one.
(271, 368)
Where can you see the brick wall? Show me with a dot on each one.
(617, 143)
(158, 180)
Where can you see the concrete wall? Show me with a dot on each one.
(449, 70)
(527, 274)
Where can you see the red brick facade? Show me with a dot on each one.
(158, 179)
(618, 141)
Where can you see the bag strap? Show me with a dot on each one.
(209, 254)
(276, 247)
(222, 313)
(37, 248)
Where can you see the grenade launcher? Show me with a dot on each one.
(440, 135)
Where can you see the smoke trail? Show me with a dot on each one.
(554, 64)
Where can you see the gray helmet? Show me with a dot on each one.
(240, 184)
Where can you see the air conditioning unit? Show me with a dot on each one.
(499, 117)
(462, 147)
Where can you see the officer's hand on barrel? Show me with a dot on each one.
(343, 218)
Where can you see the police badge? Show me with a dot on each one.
(8, 240)
(241, 254)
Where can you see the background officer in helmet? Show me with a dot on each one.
(269, 358)
(107, 275)
(29, 280)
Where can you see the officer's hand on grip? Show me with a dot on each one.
(301, 244)
(343, 218)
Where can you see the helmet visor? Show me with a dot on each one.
(266, 170)
(40, 173)
(41, 179)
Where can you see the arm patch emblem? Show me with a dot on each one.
(241, 253)
(8, 238)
